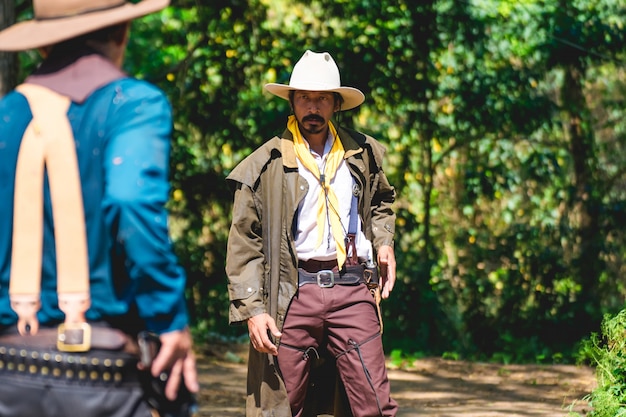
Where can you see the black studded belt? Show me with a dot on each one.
(94, 367)
(37, 356)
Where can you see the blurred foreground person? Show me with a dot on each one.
(312, 218)
(93, 319)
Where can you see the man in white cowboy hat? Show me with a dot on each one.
(86, 264)
(312, 217)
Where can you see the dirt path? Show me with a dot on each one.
(432, 388)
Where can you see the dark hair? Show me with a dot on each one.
(114, 32)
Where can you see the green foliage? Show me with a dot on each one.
(607, 353)
(450, 356)
(493, 249)
(401, 360)
(505, 128)
(510, 233)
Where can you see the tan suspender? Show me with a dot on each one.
(48, 141)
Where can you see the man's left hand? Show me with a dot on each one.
(387, 267)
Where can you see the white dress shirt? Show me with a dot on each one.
(307, 231)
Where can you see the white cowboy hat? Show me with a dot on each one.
(317, 72)
(58, 20)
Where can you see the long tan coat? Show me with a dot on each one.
(261, 261)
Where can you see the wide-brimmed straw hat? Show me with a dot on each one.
(317, 71)
(59, 20)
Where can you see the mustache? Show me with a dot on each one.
(313, 118)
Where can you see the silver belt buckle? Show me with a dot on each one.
(326, 278)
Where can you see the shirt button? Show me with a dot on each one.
(249, 289)
(302, 187)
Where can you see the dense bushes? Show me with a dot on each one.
(606, 352)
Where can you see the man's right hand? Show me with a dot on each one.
(258, 327)
(176, 359)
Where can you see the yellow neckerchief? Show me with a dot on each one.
(334, 158)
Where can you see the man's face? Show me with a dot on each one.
(313, 110)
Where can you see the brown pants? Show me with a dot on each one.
(342, 319)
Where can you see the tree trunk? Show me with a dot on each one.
(8, 60)
(586, 198)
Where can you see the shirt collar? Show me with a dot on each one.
(77, 75)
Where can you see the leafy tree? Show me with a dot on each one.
(504, 123)
(502, 217)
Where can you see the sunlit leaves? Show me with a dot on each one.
(467, 97)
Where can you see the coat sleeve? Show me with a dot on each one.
(245, 261)
(384, 194)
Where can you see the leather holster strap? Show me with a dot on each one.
(48, 141)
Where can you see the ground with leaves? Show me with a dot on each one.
(429, 387)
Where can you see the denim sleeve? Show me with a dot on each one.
(137, 188)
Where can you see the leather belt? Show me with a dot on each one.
(112, 359)
(327, 278)
(313, 265)
(100, 337)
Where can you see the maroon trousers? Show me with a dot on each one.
(342, 319)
